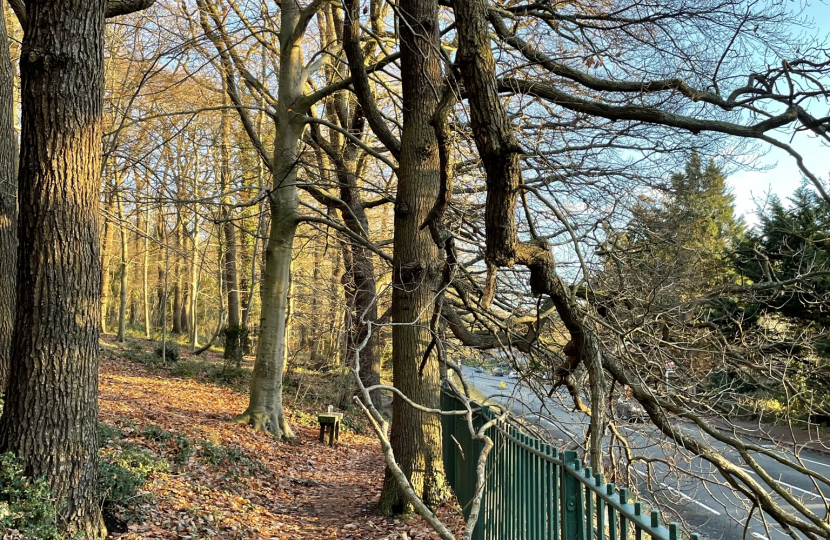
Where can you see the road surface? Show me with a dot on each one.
(694, 490)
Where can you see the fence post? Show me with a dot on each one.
(573, 502)
(448, 403)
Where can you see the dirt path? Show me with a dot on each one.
(310, 491)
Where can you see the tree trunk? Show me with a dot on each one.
(194, 287)
(122, 305)
(362, 304)
(8, 202)
(265, 410)
(234, 335)
(177, 279)
(50, 416)
(145, 289)
(416, 437)
(106, 285)
(184, 323)
(314, 339)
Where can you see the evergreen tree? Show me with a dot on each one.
(790, 243)
(682, 240)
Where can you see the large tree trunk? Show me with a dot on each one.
(416, 437)
(145, 289)
(265, 410)
(8, 202)
(194, 287)
(362, 304)
(50, 416)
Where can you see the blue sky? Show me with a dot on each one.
(783, 176)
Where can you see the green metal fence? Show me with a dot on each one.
(534, 492)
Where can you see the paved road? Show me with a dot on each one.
(693, 489)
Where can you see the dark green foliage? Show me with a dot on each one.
(791, 242)
(107, 433)
(171, 352)
(122, 473)
(215, 454)
(234, 377)
(25, 504)
(182, 449)
(212, 454)
(734, 380)
(683, 238)
(155, 433)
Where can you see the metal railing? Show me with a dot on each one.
(534, 492)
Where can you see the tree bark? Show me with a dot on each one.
(416, 436)
(106, 286)
(194, 287)
(500, 152)
(265, 409)
(145, 290)
(8, 202)
(124, 278)
(234, 336)
(50, 416)
(177, 282)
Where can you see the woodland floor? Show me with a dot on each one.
(226, 481)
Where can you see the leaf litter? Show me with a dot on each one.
(228, 482)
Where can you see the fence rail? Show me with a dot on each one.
(534, 492)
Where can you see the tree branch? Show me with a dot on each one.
(115, 8)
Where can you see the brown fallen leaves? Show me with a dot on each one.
(310, 491)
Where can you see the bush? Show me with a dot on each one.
(186, 369)
(25, 503)
(212, 454)
(172, 353)
(229, 375)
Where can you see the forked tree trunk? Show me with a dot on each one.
(416, 437)
(51, 407)
(8, 202)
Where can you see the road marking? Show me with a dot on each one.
(560, 428)
(815, 462)
(682, 495)
(759, 536)
(794, 488)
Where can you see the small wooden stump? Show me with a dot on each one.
(330, 422)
